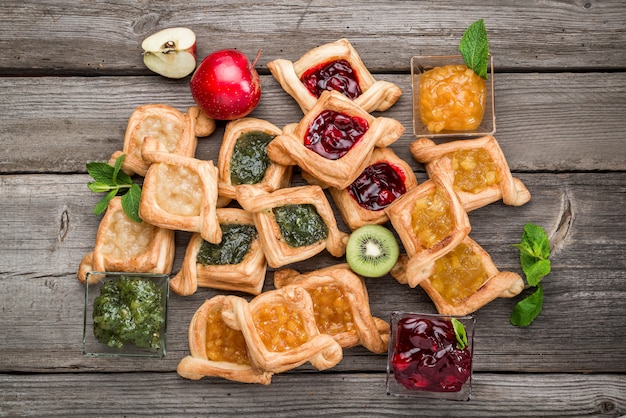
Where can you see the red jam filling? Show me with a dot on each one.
(426, 356)
(377, 186)
(333, 134)
(334, 75)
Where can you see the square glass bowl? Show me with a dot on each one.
(415, 369)
(422, 63)
(157, 290)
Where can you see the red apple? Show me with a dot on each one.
(170, 52)
(226, 86)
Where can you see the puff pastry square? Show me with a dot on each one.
(376, 95)
(177, 132)
(280, 330)
(476, 167)
(179, 192)
(125, 245)
(430, 222)
(289, 148)
(278, 251)
(341, 306)
(463, 280)
(216, 349)
(248, 275)
(276, 176)
(356, 214)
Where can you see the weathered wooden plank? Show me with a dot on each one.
(58, 124)
(327, 394)
(105, 38)
(48, 226)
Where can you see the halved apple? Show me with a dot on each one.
(170, 52)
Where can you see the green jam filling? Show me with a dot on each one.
(300, 225)
(129, 310)
(250, 161)
(236, 241)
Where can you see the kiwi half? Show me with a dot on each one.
(372, 251)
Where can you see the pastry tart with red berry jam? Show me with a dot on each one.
(430, 222)
(294, 223)
(179, 192)
(463, 280)
(385, 178)
(177, 132)
(216, 349)
(236, 263)
(476, 168)
(280, 331)
(334, 141)
(334, 66)
(125, 245)
(341, 306)
(243, 158)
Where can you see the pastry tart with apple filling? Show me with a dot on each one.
(334, 66)
(179, 192)
(243, 158)
(385, 178)
(476, 168)
(216, 349)
(294, 223)
(177, 132)
(236, 263)
(280, 330)
(430, 222)
(125, 245)
(334, 141)
(463, 280)
(341, 306)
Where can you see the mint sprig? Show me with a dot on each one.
(460, 333)
(474, 47)
(535, 260)
(113, 181)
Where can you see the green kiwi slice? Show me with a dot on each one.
(372, 251)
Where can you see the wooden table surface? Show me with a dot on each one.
(72, 73)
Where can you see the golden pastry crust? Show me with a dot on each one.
(276, 176)
(496, 283)
(289, 149)
(354, 214)
(424, 251)
(177, 132)
(247, 276)
(125, 245)
(358, 326)
(198, 365)
(377, 95)
(277, 252)
(293, 314)
(437, 159)
(179, 192)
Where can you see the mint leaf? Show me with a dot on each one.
(130, 202)
(526, 310)
(101, 172)
(460, 333)
(101, 206)
(537, 271)
(474, 47)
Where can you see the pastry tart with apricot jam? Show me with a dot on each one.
(334, 141)
(341, 306)
(236, 263)
(125, 245)
(177, 132)
(334, 66)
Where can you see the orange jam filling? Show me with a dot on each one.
(451, 97)
(432, 219)
(333, 314)
(474, 170)
(279, 327)
(222, 342)
(458, 274)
